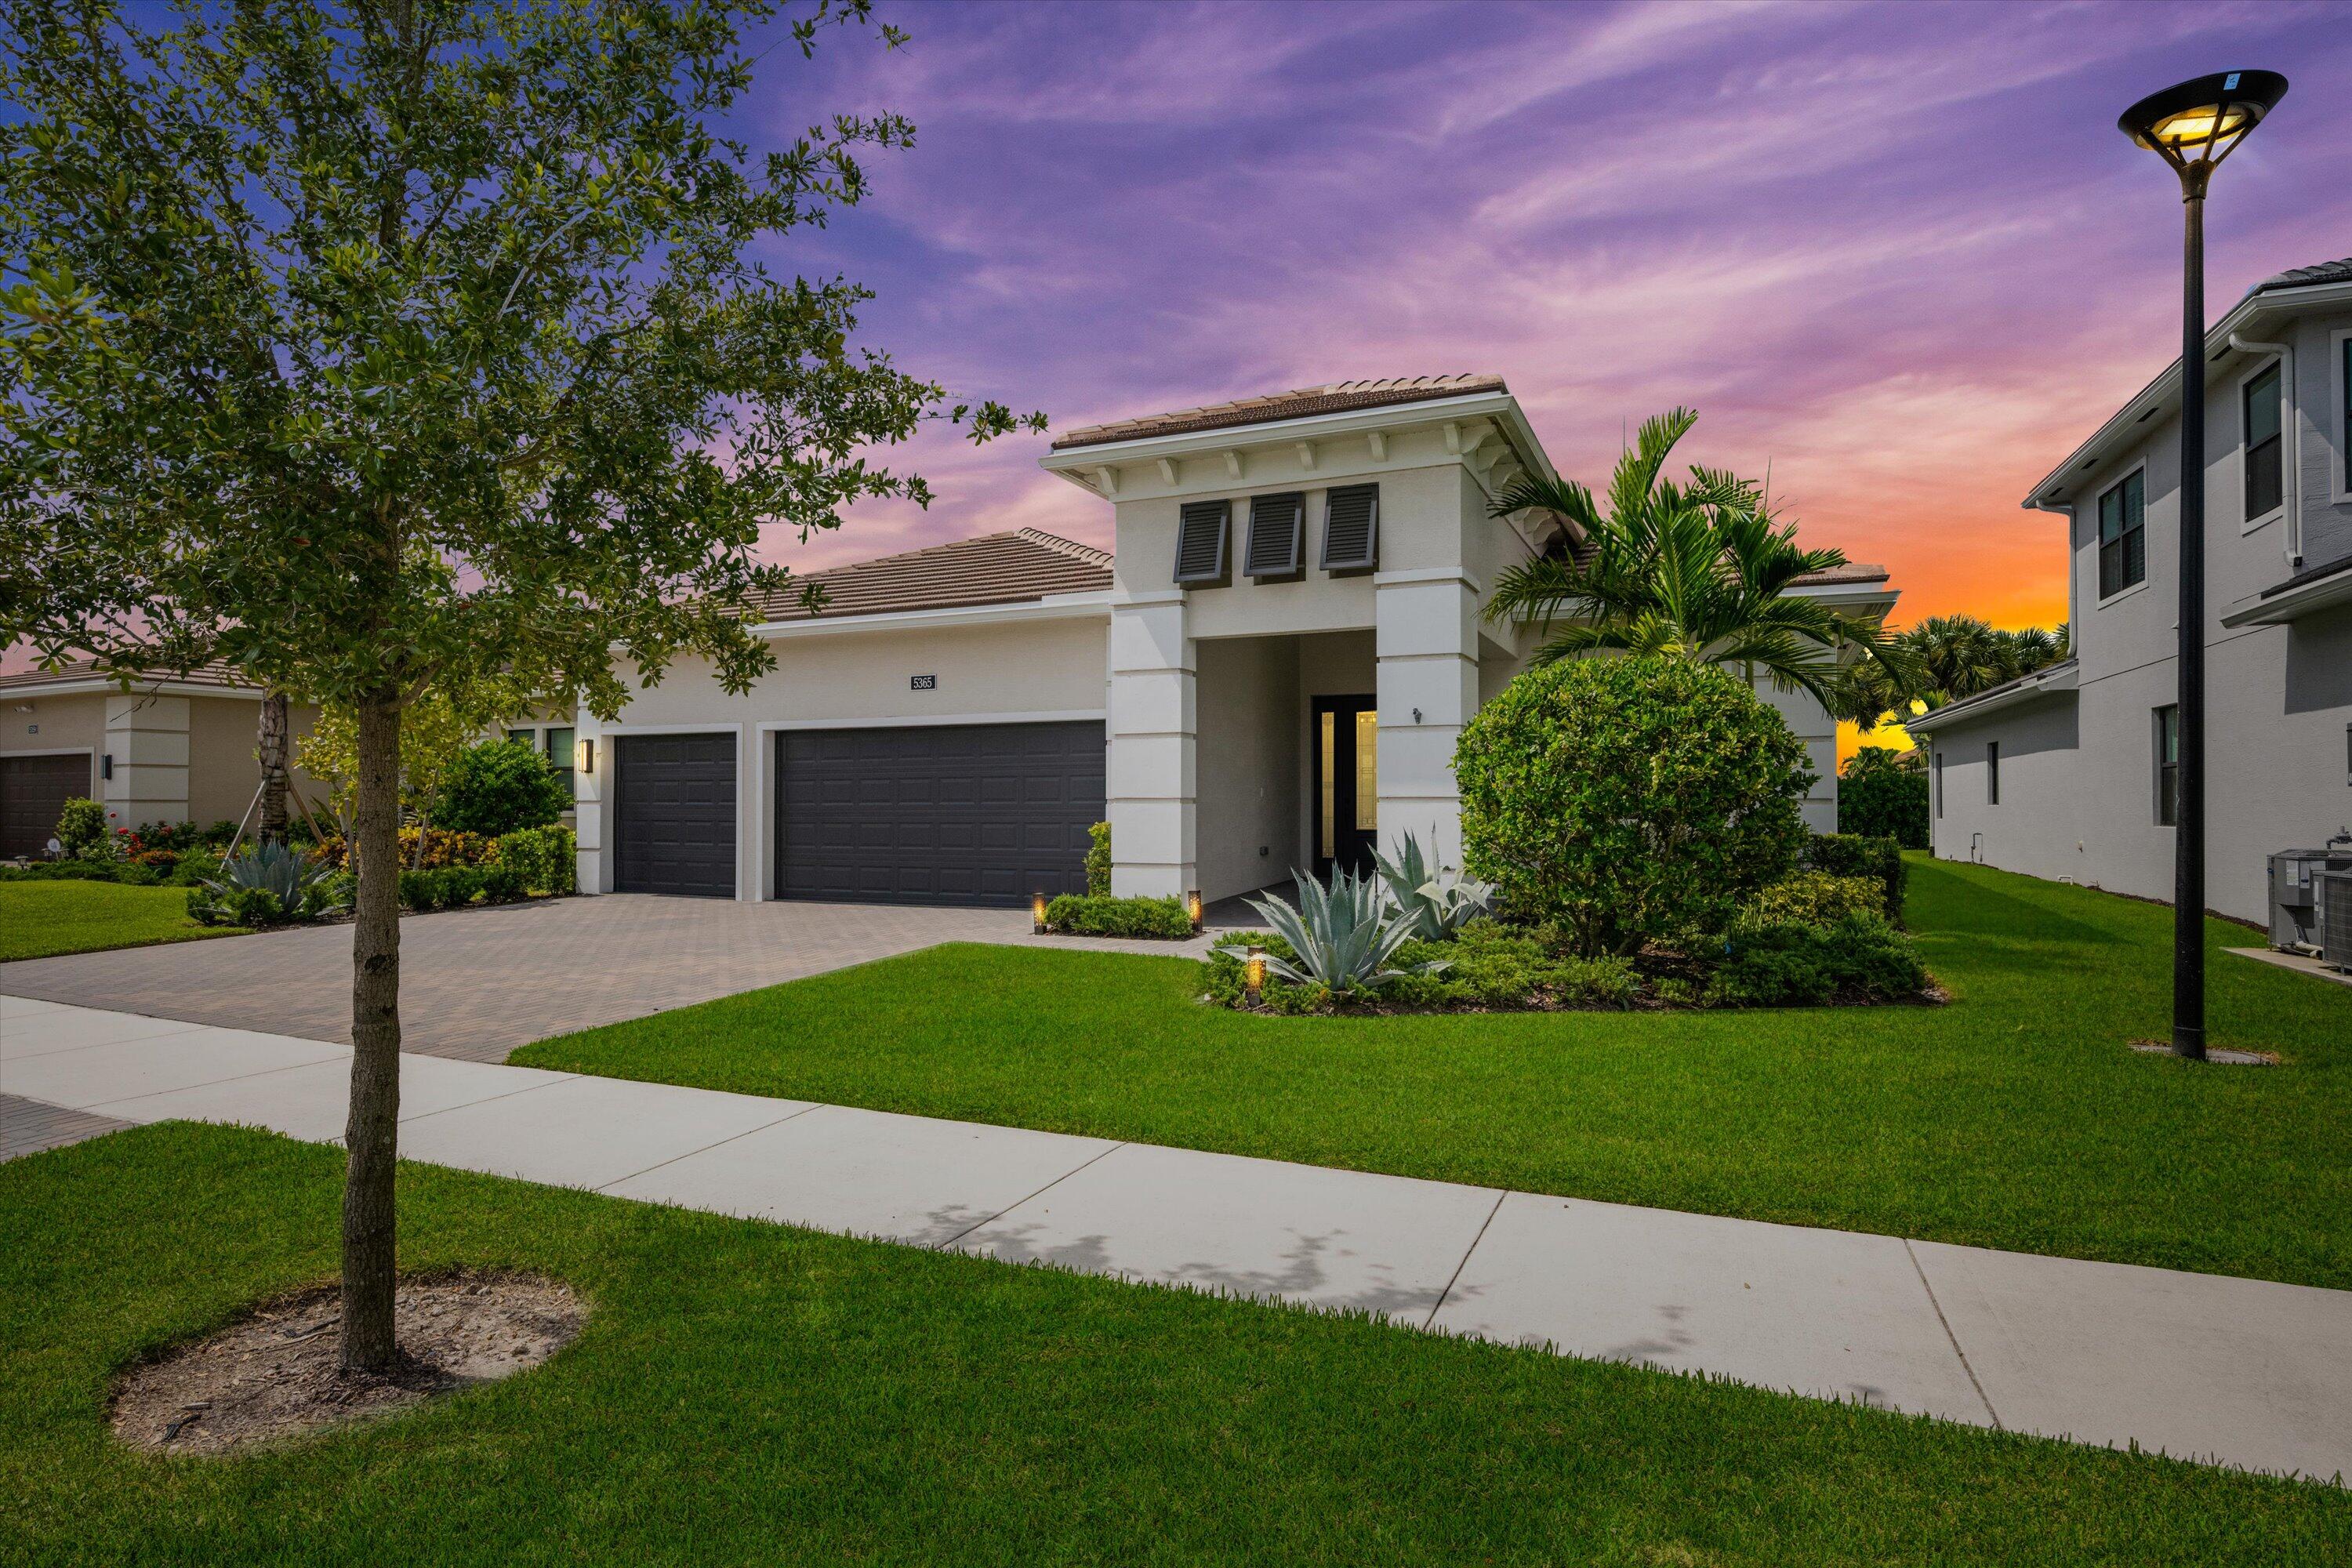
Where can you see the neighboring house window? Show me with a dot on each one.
(2123, 535)
(1939, 784)
(558, 755)
(1992, 773)
(2168, 766)
(2265, 460)
(527, 737)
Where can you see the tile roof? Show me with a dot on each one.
(1851, 572)
(991, 569)
(80, 669)
(1338, 397)
(2304, 277)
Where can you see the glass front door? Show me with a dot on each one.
(1345, 782)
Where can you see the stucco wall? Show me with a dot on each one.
(53, 724)
(222, 772)
(1251, 770)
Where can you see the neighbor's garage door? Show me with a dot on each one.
(675, 824)
(33, 792)
(963, 813)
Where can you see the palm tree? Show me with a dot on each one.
(1698, 571)
(1951, 657)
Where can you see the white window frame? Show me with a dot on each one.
(2287, 447)
(2101, 601)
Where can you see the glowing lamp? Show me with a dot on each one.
(1037, 912)
(1192, 907)
(1254, 974)
(583, 757)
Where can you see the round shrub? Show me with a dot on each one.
(1816, 898)
(499, 786)
(1628, 798)
(81, 827)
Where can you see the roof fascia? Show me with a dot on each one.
(1052, 608)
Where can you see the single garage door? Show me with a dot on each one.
(33, 792)
(675, 821)
(960, 814)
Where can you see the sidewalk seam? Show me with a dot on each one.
(1919, 1269)
(706, 1149)
(1000, 1214)
(1454, 1278)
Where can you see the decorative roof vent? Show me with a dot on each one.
(1351, 529)
(1277, 535)
(1201, 558)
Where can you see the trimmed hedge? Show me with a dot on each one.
(1853, 855)
(1879, 797)
(1628, 799)
(547, 859)
(1089, 914)
(1788, 963)
(1816, 898)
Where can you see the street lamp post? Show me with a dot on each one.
(2193, 126)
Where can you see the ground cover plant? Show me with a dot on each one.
(43, 919)
(742, 1391)
(2015, 1116)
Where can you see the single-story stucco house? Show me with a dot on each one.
(1269, 671)
(2068, 773)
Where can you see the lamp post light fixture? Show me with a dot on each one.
(1037, 914)
(1252, 974)
(2193, 126)
(1192, 907)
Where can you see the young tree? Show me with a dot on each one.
(393, 345)
(269, 750)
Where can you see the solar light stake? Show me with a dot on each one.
(2192, 127)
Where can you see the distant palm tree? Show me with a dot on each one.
(1698, 571)
(1949, 658)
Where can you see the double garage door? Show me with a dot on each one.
(960, 813)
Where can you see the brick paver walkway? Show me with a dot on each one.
(28, 1126)
(476, 984)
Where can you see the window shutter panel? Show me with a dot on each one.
(1351, 529)
(1201, 560)
(1276, 535)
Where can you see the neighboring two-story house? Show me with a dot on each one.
(2068, 773)
(1269, 672)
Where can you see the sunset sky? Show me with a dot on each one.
(1899, 254)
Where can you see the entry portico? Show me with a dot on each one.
(1297, 639)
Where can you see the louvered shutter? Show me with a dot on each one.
(1351, 529)
(1277, 536)
(1201, 560)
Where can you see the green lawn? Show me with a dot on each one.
(746, 1392)
(2013, 1118)
(40, 919)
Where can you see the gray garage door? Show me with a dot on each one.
(674, 826)
(962, 814)
(32, 791)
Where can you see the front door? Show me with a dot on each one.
(1345, 782)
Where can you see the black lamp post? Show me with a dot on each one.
(2194, 126)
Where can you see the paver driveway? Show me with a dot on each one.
(476, 984)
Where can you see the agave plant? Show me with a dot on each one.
(274, 870)
(1344, 935)
(1436, 901)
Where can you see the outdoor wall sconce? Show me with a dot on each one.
(1192, 907)
(583, 757)
(106, 766)
(1037, 914)
(1254, 974)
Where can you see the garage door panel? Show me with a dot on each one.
(33, 795)
(674, 824)
(984, 813)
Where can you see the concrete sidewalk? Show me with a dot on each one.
(2242, 1372)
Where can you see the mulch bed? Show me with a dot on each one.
(273, 1374)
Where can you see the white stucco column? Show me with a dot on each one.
(147, 737)
(1425, 645)
(590, 791)
(1154, 748)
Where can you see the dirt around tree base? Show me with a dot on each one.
(273, 1374)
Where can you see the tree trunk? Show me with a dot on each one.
(369, 1228)
(273, 767)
